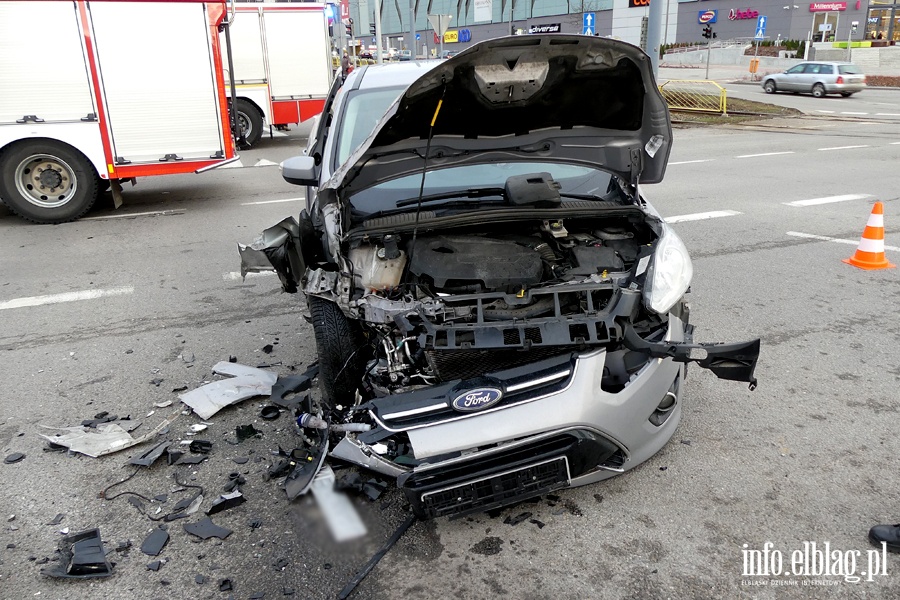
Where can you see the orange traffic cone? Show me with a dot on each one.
(870, 252)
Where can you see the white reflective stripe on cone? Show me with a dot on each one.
(875, 220)
(867, 245)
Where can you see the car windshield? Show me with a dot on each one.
(402, 193)
(849, 70)
(362, 111)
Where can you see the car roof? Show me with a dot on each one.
(383, 76)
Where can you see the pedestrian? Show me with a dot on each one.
(889, 534)
(345, 64)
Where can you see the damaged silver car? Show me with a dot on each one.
(496, 307)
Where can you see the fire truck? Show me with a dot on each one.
(281, 60)
(95, 93)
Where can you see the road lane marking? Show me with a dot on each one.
(843, 147)
(825, 238)
(827, 112)
(827, 200)
(153, 213)
(272, 201)
(264, 162)
(887, 114)
(690, 162)
(65, 297)
(701, 216)
(895, 143)
(764, 154)
(236, 275)
(854, 113)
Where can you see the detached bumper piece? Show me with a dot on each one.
(505, 477)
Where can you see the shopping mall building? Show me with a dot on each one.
(476, 20)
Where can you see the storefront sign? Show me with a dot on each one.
(483, 11)
(636, 3)
(707, 16)
(465, 35)
(827, 6)
(451, 37)
(548, 28)
(740, 15)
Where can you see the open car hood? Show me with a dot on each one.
(559, 98)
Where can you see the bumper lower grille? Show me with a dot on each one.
(468, 364)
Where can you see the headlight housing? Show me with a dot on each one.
(669, 274)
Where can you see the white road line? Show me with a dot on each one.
(236, 275)
(271, 201)
(887, 114)
(701, 216)
(831, 239)
(264, 162)
(827, 200)
(895, 143)
(764, 154)
(827, 112)
(690, 162)
(843, 147)
(154, 213)
(854, 113)
(65, 297)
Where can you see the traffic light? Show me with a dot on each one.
(349, 25)
(372, 28)
(707, 31)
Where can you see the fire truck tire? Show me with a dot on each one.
(47, 182)
(250, 121)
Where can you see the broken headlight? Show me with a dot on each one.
(669, 274)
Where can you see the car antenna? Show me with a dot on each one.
(412, 246)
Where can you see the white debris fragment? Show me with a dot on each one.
(207, 400)
(197, 427)
(150, 414)
(105, 439)
(64, 530)
(162, 404)
(239, 370)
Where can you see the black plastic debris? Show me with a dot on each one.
(206, 529)
(226, 501)
(81, 556)
(156, 381)
(174, 517)
(268, 348)
(200, 579)
(269, 413)
(240, 460)
(225, 585)
(99, 419)
(51, 447)
(281, 564)
(173, 455)
(154, 566)
(200, 447)
(258, 596)
(155, 542)
(13, 458)
(245, 432)
(150, 456)
(181, 388)
(123, 546)
(540, 525)
(255, 523)
(517, 519)
(136, 502)
(287, 591)
(292, 385)
(307, 466)
(352, 482)
(232, 359)
(235, 481)
(161, 497)
(57, 519)
(187, 459)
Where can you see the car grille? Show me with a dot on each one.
(467, 364)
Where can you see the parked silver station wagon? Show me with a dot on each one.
(817, 78)
(497, 309)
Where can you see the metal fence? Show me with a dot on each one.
(700, 96)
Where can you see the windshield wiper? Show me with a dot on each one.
(470, 193)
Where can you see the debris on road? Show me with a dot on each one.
(340, 515)
(206, 529)
(226, 501)
(154, 543)
(13, 458)
(245, 432)
(150, 456)
(81, 556)
(57, 519)
(209, 399)
(105, 439)
(367, 568)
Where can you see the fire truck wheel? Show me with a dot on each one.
(46, 181)
(249, 121)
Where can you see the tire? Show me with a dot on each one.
(46, 181)
(818, 90)
(339, 344)
(846, 94)
(250, 121)
(770, 87)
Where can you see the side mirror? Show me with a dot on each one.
(300, 170)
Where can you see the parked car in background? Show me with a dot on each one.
(449, 53)
(817, 78)
(497, 309)
(405, 55)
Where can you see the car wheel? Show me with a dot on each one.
(339, 344)
(846, 94)
(249, 120)
(46, 181)
(770, 87)
(818, 90)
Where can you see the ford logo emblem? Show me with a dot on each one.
(477, 399)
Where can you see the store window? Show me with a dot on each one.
(883, 21)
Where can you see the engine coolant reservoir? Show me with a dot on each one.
(373, 270)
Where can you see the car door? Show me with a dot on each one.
(790, 79)
(808, 77)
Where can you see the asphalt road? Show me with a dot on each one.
(804, 458)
